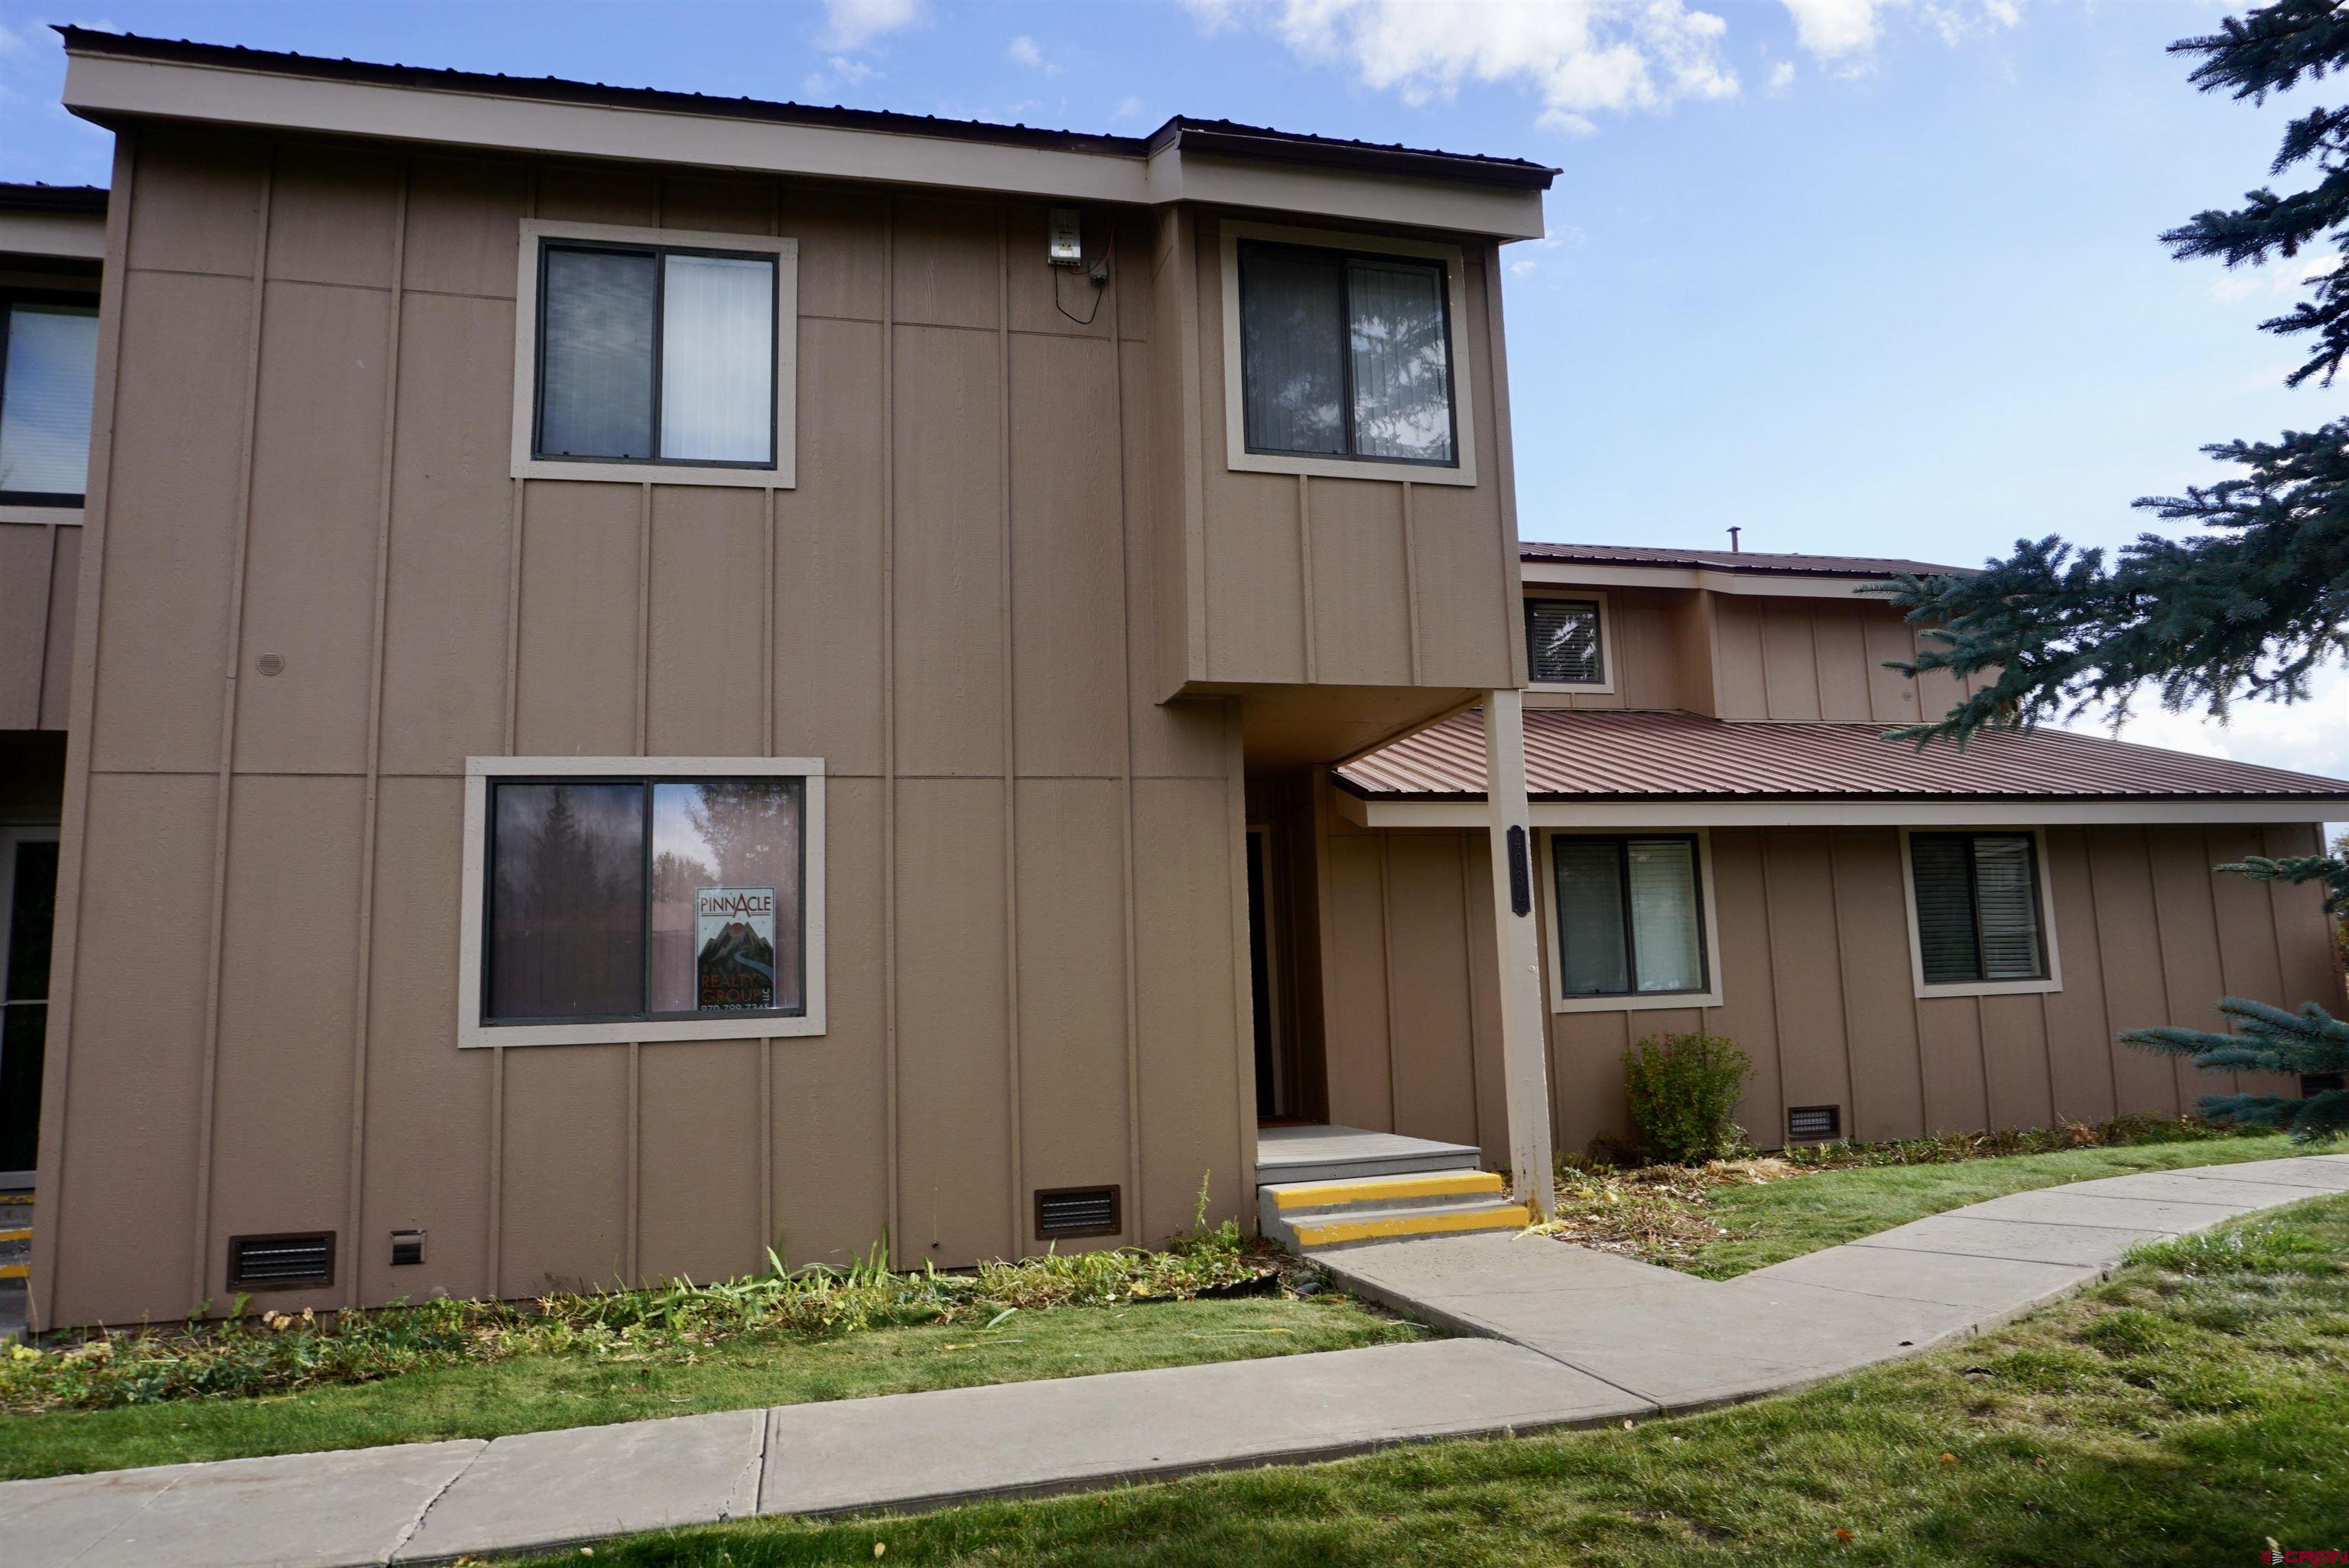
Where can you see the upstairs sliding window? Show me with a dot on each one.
(653, 355)
(47, 377)
(1346, 356)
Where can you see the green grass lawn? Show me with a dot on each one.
(1779, 1220)
(2180, 1415)
(536, 1392)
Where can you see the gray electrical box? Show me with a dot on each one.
(1065, 244)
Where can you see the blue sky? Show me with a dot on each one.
(1859, 275)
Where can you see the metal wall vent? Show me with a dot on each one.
(1077, 1212)
(1814, 1123)
(294, 1260)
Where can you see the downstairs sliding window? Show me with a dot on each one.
(1630, 915)
(645, 906)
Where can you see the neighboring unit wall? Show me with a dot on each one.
(1032, 864)
(1817, 986)
(40, 572)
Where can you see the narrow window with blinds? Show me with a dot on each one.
(1979, 919)
(1346, 356)
(1562, 644)
(48, 360)
(1630, 915)
(655, 356)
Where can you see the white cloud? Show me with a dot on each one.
(1782, 75)
(1128, 108)
(853, 23)
(2310, 737)
(1023, 51)
(1581, 57)
(1832, 29)
(1843, 33)
(840, 72)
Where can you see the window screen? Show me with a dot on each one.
(1345, 356)
(650, 355)
(625, 899)
(47, 379)
(1978, 912)
(1562, 642)
(1630, 915)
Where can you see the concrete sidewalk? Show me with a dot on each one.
(1562, 1336)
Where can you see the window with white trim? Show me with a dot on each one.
(1979, 913)
(652, 349)
(1630, 915)
(642, 902)
(1564, 640)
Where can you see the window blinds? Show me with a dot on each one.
(1978, 916)
(718, 359)
(1403, 374)
(45, 399)
(1562, 642)
(1662, 875)
(595, 397)
(1293, 373)
(1592, 959)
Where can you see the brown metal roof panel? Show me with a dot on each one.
(1752, 562)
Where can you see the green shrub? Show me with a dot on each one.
(1684, 1090)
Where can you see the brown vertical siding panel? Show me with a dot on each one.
(1891, 696)
(708, 591)
(832, 1171)
(950, 656)
(698, 1178)
(718, 206)
(1835, 633)
(948, 266)
(577, 682)
(171, 521)
(464, 231)
(1878, 989)
(57, 658)
(1462, 641)
(446, 588)
(599, 193)
(1586, 1098)
(126, 1197)
(1938, 691)
(2015, 1057)
(1694, 654)
(1949, 1045)
(1435, 1067)
(317, 482)
(336, 210)
(2304, 934)
(1068, 696)
(1737, 625)
(1182, 902)
(1790, 665)
(1360, 615)
(952, 1045)
(843, 268)
(198, 203)
(2079, 1039)
(2129, 941)
(1072, 1018)
(1355, 1024)
(1749, 1004)
(428, 1103)
(2193, 977)
(565, 1174)
(25, 569)
(281, 1117)
(1805, 968)
(1647, 665)
(2249, 958)
(829, 619)
(1256, 582)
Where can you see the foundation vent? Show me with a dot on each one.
(300, 1260)
(2314, 1084)
(1077, 1212)
(1814, 1123)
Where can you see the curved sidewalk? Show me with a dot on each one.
(1560, 1336)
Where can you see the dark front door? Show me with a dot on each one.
(28, 896)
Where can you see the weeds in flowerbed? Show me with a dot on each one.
(276, 1351)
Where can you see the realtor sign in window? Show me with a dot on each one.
(734, 964)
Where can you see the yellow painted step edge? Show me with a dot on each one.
(23, 1236)
(15, 1271)
(1442, 1184)
(1512, 1217)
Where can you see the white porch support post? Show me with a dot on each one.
(1525, 1053)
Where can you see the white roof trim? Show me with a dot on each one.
(82, 235)
(1671, 811)
(274, 101)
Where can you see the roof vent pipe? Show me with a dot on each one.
(1733, 540)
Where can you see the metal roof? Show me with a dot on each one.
(1615, 755)
(1222, 137)
(1757, 562)
(40, 198)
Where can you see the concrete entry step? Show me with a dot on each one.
(1310, 1217)
(1286, 1155)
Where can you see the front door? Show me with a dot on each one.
(1277, 1097)
(28, 896)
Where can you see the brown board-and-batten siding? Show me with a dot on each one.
(937, 610)
(1816, 985)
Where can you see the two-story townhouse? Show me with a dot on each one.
(654, 677)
